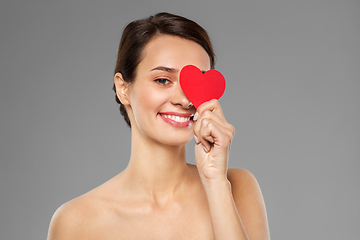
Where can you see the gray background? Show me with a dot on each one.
(293, 94)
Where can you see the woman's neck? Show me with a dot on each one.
(157, 170)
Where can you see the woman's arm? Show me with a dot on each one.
(225, 219)
(235, 201)
(237, 208)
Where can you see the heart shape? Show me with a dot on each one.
(199, 87)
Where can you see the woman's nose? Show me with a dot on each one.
(179, 98)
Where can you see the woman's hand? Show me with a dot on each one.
(213, 136)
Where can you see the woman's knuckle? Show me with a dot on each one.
(205, 121)
(232, 129)
(207, 114)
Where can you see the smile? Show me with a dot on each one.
(177, 119)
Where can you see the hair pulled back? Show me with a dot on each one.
(138, 33)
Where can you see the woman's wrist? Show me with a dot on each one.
(216, 185)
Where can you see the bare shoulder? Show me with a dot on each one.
(245, 187)
(249, 202)
(241, 179)
(95, 215)
(73, 219)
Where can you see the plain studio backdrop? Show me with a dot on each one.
(293, 94)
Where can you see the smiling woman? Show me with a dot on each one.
(148, 100)
(159, 195)
(138, 33)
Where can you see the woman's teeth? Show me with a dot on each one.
(177, 118)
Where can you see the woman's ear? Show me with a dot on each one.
(122, 89)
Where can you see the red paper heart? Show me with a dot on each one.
(199, 87)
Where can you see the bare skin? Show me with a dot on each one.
(159, 195)
(101, 214)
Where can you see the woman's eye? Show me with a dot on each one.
(162, 81)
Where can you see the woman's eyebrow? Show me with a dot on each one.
(166, 69)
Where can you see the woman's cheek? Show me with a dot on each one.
(155, 98)
(149, 98)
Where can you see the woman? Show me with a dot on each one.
(159, 195)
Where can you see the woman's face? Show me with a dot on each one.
(158, 107)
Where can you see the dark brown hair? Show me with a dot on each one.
(138, 33)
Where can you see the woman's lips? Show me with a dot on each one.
(177, 119)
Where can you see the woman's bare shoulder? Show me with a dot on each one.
(76, 217)
(244, 185)
(249, 202)
(72, 219)
(240, 176)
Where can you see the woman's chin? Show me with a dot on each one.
(176, 141)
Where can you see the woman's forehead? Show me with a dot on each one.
(174, 52)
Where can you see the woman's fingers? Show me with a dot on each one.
(211, 133)
(213, 106)
(207, 119)
(205, 134)
(211, 127)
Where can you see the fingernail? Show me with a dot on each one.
(204, 148)
(196, 116)
(196, 139)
